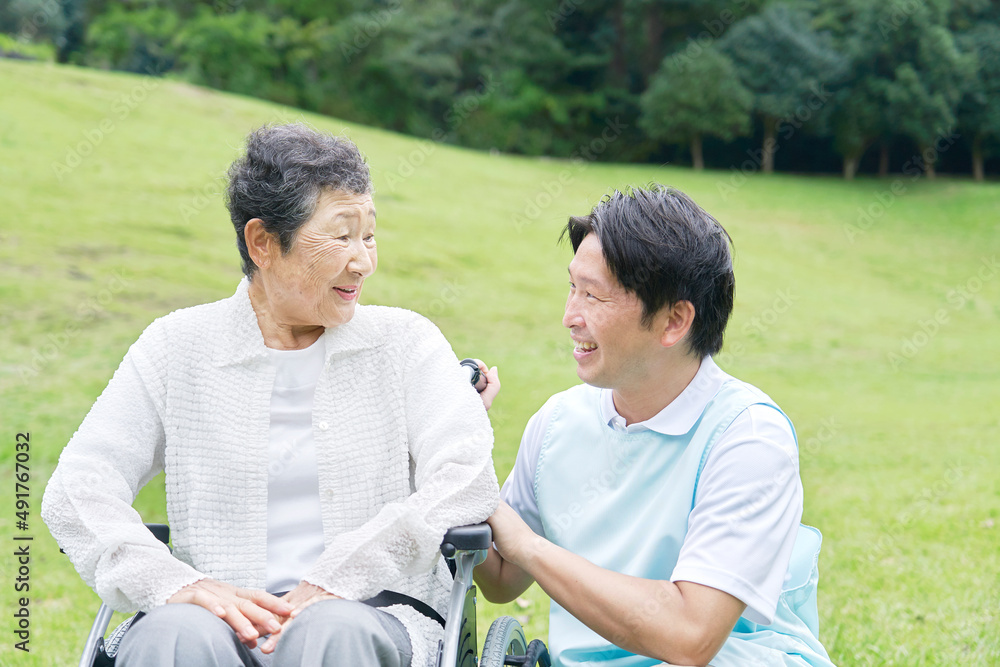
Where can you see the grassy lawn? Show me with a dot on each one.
(869, 310)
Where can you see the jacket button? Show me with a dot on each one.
(323, 426)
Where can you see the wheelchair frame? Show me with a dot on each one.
(465, 547)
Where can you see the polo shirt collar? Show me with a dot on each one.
(680, 415)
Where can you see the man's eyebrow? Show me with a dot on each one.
(581, 278)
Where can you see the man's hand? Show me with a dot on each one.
(298, 599)
(680, 623)
(513, 538)
(501, 580)
(250, 613)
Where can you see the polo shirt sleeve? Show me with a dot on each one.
(519, 489)
(746, 513)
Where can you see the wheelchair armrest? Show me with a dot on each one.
(477, 537)
(159, 530)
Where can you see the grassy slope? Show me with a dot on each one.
(899, 460)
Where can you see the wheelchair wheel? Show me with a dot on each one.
(504, 638)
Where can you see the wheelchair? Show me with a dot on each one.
(463, 548)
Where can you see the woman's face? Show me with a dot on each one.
(319, 281)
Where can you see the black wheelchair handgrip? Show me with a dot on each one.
(160, 531)
(467, 538)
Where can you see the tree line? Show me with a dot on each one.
(797, 85)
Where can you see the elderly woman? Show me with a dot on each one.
(311, 445)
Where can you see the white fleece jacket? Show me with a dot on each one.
(402, 440)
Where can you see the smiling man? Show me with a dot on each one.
(658, 504)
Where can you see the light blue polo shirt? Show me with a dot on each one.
(622, 498)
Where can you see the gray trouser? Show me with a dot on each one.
(325, 634)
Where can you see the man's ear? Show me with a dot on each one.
(676, 322)
(261, 245)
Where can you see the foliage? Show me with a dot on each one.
(781, 59)
(702, 98)
(979, 112)
(138, 41)
(547, 77)
(241, 51)
(930, 76)
(33, 20)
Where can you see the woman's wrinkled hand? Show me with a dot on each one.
(298, 599)
(250, 613)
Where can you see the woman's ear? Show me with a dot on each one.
(260, 244)
(676, 323)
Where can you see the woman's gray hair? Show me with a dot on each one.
(281, 175)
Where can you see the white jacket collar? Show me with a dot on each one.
(243, 341)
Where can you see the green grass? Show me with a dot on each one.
(900, 454)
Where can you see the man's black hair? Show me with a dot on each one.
(664, 248)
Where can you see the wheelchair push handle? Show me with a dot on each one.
(477, 537)
(476, 377)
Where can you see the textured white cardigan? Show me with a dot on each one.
(402, 441)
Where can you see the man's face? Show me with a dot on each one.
(604, 319)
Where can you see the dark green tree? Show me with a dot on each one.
(857, 117)
(925, 89)
(979, 110)
(71, 40)
(691, 99)
(785, 63)
(139, 41)
(33, 20)
(906, 78)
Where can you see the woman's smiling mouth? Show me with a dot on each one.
(348, 293)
